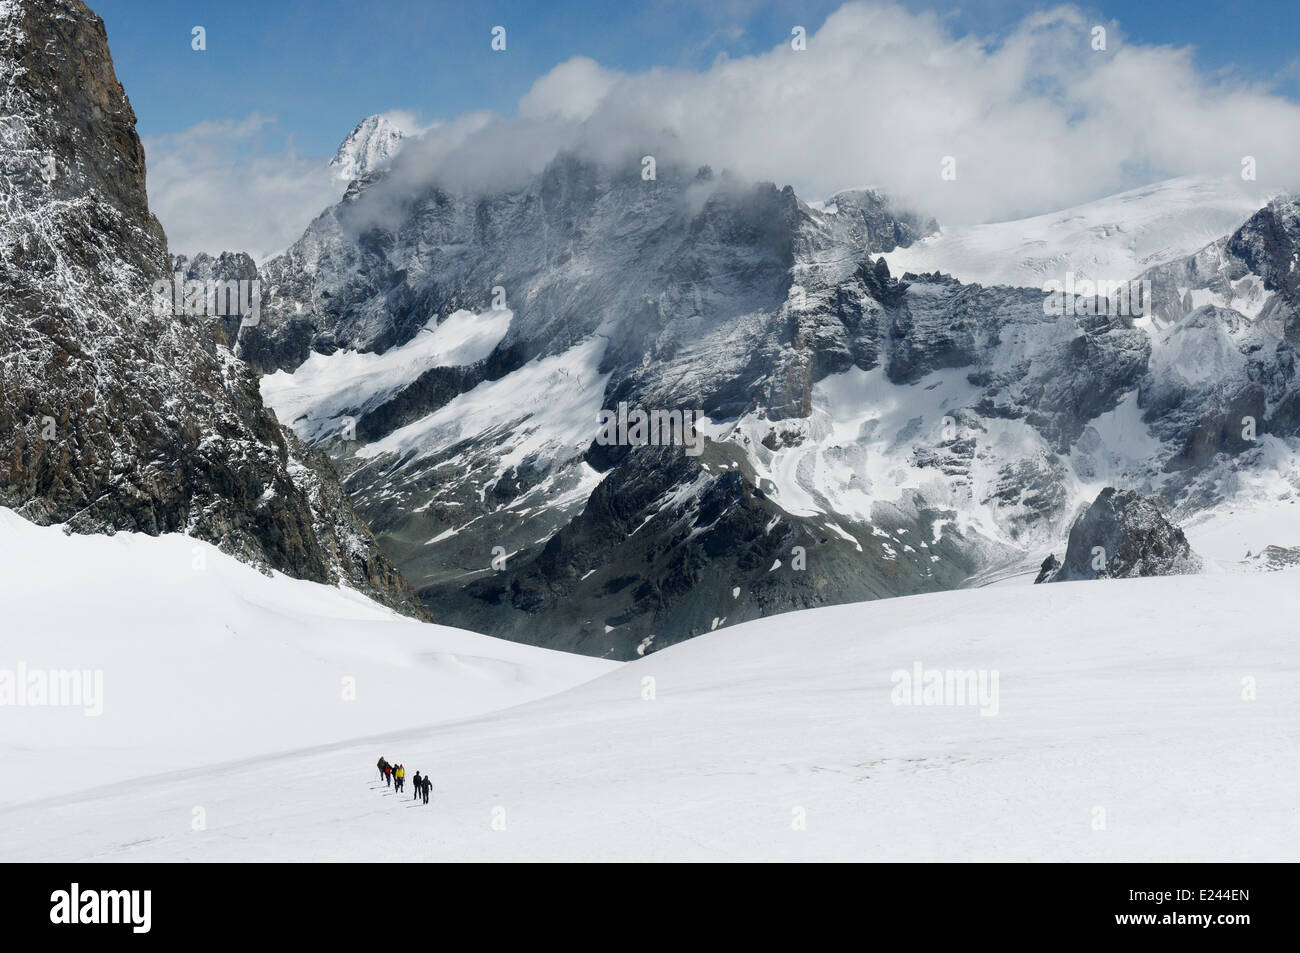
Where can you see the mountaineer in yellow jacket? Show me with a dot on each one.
(399, 777)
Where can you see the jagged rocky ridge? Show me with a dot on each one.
(870, 434)
(113, 417)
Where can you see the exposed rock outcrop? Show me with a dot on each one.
(1121, 535)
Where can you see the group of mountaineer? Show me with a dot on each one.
(395, 774)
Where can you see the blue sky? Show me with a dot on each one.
(319, 66)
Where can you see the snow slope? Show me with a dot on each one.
(326, 387)
(205, 660)
(1114, 238)
(1257, 518)
(558, 425)
(1122, 732)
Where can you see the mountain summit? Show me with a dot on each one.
(373, 142)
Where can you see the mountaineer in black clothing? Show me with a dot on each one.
(419, 785)
(426, 787)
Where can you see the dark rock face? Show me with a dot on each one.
(1122, 535)
(63, 99)
(1265, 246)
(1032, 490)
(1230, 370)
(1057, 387)
(114, 417)
(633, 573)
(228, 266)
(1247, 339)
(1048, 570)
(875, 225)
(1222, 379)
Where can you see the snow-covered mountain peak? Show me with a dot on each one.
(373, 142)
(1113, 238)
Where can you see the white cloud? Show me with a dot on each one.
(215, 188)
(572, 90)
(408, 122)
(1035, 119)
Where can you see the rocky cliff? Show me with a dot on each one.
(116, 414)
